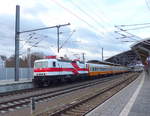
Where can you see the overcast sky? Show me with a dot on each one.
(92, 26)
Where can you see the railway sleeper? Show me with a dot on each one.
(84, 109)
(90, 104)
(80, 110)
(70, 113)
(87, 106)
(64, 115)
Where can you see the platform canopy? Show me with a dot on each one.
(142, 48)
(126, 58)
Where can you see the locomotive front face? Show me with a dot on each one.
(44, 67)
(38, 68)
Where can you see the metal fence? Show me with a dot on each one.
(9, 73)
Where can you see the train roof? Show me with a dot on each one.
(39, 60)
(60, 60)
(102, 62)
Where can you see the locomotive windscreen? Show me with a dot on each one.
(41, 64)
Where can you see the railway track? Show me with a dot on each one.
(8, 105)
(82, 106)
(17, 92)
(17, 103)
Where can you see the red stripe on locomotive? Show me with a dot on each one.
(58, 69)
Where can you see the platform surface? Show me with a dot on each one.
(133, 100)
(141, 106)
(11, 85)
(9, 82)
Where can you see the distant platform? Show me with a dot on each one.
(11, 85)
(7, 82)
(133, 100)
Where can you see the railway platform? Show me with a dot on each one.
(133, 100)
(11, 85)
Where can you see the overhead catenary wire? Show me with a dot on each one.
(77, 16)
(99, 17)
(94, 18)
(137, 28)
(28, 40)
(127, 41)
(37, 36)
(67, 39)
(33, 36)
(101, 12)
(34, 43)
(124, 32)
(123, 36)
(87, 14)
(147, 43)
(91, 17)
(133, 36)
(147, 4)
(138, 24)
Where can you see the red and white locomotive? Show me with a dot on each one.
(53, 69)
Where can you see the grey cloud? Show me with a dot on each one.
(49, 37)
(7, 34)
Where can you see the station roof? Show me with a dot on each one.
(139, 52)
(129, 57)
(142, 48)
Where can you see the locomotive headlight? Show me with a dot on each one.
(45, 74)
(40, 73)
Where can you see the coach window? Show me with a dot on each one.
(54, 64)
(93, 68)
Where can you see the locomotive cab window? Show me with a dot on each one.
(54, 64)
(41, 64)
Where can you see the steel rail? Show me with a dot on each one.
(6, 105)
(70, 107)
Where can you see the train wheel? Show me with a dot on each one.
(40, 84)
